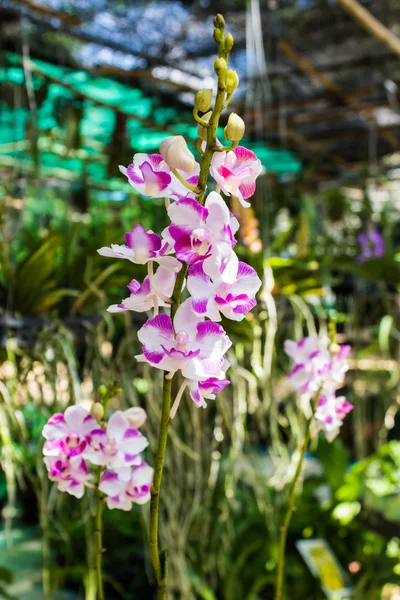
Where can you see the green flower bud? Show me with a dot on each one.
(202, 100)
(97, 411)
(220, 67)
(232, 81)
(219, 21)
(202, 131)
(234, 130)
(102, 390)
(229, 42)
(218, 35)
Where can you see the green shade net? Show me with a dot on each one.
(96, 102)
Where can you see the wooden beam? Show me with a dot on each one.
(372, 24)
(333, 87)
(49, 12)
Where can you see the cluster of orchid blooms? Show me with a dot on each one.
(318, 372)
(76, 442)
(203, 238)
(193, 342)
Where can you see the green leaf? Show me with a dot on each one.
(6, 575)
(334, 458)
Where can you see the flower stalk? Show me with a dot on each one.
(291, 505)
(105, 394)
(99, 540)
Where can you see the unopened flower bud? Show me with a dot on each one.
(232, 81)
(334, 348)
(102, 390)
(176, 154)
(136, 416)
(97, 411)
(229, 42)
(218, 35)
(219, 21)
(202, 100)
(220, 67)
(202, 131)
(234, 130)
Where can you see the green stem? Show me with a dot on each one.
(99, 541)
(291, 507)
(198, 119)
(211, 137)
(227, 148)
(190, 187)
(159, 569)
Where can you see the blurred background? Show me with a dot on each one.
(85, 85)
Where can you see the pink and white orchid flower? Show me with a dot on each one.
(148, 174)
(197, 348)
(127, 486)
(212, 297)
(69, 434)
(204, 233)
(142, 247)
(200, 391)
(236, 172)
(118, 446)
(320, 368)
(71, 474)
(312, 363)
(330, 413)
(144, 296)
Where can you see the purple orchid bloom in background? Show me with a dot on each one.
(372, 245)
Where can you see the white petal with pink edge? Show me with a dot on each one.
(157, 331)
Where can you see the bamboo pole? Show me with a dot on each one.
(372, 24)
